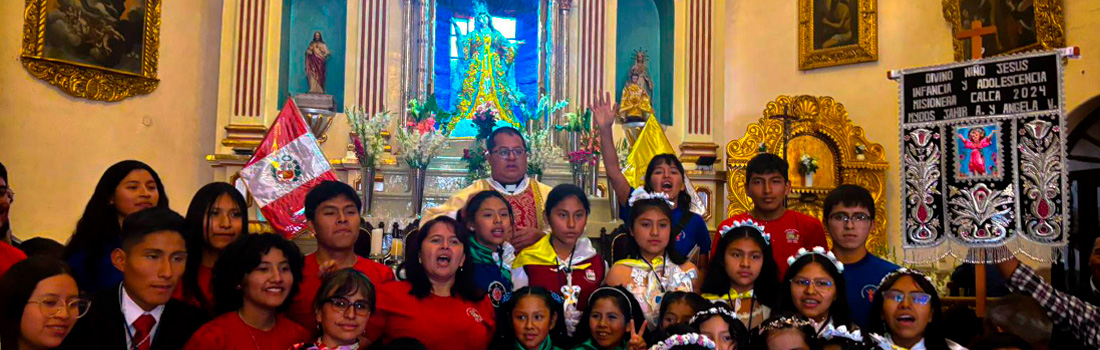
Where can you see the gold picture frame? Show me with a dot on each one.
(853, 38)
(1044, 30)
(98, 53)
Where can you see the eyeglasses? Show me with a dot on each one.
(859, 218)
(819, 283)
(505, 153)
(918, 298)
(342, 305)
(52, 305)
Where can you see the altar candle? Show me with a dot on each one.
(376, 242)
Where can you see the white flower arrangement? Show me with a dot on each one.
(807, 164)
(368, 141)
(420, 140)
(542, 151)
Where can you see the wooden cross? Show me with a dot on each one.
(975, 34)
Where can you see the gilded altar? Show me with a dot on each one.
(817, 127)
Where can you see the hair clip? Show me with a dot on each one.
(905, 271)
(784, 323)
(685, 339)
(842, 331)
(507, 296)
(640, 194)
(557, 298)
(819, 251)
(711, 312)
(747, 223)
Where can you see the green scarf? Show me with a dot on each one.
(590, 344)
(484, 255)
(544, 346)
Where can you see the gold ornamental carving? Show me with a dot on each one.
(819, 47)
(87, 80)
(1048, 26)
(854, 158)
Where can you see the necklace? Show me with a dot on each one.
(660, 282)
(248, 328)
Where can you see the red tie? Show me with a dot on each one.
(143, 328)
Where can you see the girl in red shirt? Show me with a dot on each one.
(255, 278)
(215, 218)
(440, 304)
(343, 305)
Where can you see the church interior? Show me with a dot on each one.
(198, 85)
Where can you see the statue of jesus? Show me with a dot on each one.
(316, 55)
(486, 60)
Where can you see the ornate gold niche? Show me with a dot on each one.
(820, 126)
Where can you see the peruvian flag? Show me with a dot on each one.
(286, 165)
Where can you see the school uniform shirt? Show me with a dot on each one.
(493, 269)
(229, 331)
(538, 265)
(862, 279)
(205, 275)
(694, 234)
(441, 323)
(9, 255)
(590, 344)
(789, 232)
(301, 309)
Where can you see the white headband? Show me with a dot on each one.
(819, 251)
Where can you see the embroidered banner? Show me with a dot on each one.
(983, 159)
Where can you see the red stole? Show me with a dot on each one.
(526, 206)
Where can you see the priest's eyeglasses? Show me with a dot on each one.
(859, 218)
(505, 153)
(51, 305)
(341, 304)
(918, 298)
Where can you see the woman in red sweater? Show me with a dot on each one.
(255, 278)
(215, 218)
(440, 298)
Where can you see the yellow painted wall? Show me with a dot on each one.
(55, 147)
(762, 63)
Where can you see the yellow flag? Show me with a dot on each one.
(651, 142)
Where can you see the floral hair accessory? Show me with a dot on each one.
(746, 223)
(784, 323)
(640, 194)
(685, 339)
(819, 251)
(842, 332)
(557, 298)
(905, 271)
(711, 312)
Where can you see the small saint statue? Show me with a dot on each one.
(316, 56)
(635, 103)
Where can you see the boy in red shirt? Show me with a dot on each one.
(332, 212)
(767, 185)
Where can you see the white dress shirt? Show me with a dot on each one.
(131, 311)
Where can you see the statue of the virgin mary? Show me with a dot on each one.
(485, 64)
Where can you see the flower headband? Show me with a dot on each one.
(905, 271)
(711, 312)
(819, 251)
(746, 223)
(842, 332)
(685, 339)
(508, 297)
(640, 194)
(784, 323)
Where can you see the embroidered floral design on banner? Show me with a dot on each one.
(1040, 169)
(922, 174)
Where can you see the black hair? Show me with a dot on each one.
(148, 221)
(505, 337)
(934, 335)
(695, 301)
(327, 190)
(560, 192)
(466, 216)
(195, 234)
(633, 251)
(240, 258)
(848, 195)
(717, 280)
(838, 310)
(683, 200)
(766, 163)
(16, 287)
(738, 331)
(491, 141)
(464, 286)
(3, 172)
(4, 227)
(1001, 340)
(848, 344)
(801, 324)
(343, 282)
(98, 228)
(42, 246)
(627, 305)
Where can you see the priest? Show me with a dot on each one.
(508, 168)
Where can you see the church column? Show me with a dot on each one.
(247, 66)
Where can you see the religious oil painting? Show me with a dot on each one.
(1005, 26)
(836, 32)
(978, 152)
(103, 50)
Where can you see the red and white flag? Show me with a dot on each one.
(285, 166)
